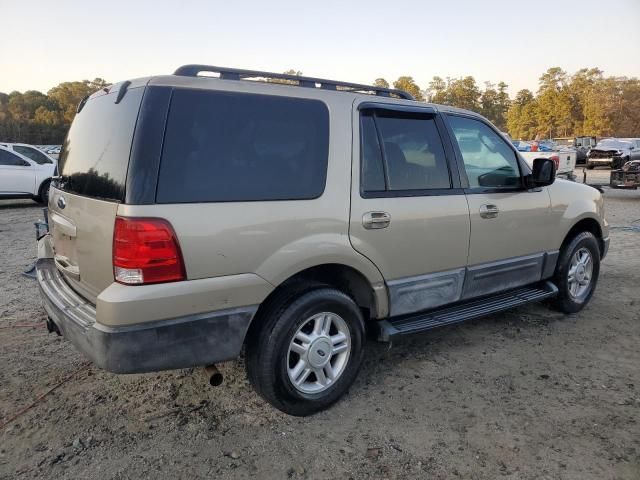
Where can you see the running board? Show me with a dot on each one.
(463, 311)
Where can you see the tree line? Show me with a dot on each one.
(584, 103)
(38, 118)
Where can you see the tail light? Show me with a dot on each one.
(556, 160)
(146, 250)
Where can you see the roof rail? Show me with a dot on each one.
(311, 82)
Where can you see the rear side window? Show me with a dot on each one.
(32, 153)
(402, 151)
(224, 147)
(95, 155)
(9, 159)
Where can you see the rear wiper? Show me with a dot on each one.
(122, 91)
(82, 104)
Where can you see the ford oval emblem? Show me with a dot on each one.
(61, 203)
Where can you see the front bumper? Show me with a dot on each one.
(190, 341)
(600, 161)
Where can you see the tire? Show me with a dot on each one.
(571, 299)
(273, 362)
(618, 164)
(43, 193)
(590, 166)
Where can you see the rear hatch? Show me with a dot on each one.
(84, 200)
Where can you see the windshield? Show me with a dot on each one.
(613, 144)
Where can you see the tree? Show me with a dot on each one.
(409, 85)
(521, 116)
(381, 82)
(69, 94)
(464, 93)
(437, 90)
(554, 104)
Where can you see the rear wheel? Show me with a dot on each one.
(307, 350)
(577, 273)
(590, 165)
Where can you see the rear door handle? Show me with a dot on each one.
(489, 211)
(376, 220)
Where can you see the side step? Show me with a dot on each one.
(463, 311)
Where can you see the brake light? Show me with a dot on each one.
(146, 250)
(556, 160)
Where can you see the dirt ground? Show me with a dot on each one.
(530, 394)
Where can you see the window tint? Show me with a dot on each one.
(372, 169)
(488, 160)
(95, 154)
(32, 153)
(8, 158)
(223, 146)
(412, 153)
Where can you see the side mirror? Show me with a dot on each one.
(544, 173)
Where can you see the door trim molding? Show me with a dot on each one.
(424, 292)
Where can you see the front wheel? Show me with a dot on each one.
(577, 273)
(307, 350)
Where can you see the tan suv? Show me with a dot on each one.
(195, 215)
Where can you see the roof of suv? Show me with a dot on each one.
(252, 80)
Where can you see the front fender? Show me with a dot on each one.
(571, 203)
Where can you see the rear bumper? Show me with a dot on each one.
(193, 340)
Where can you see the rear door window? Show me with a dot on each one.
(9, 159)
(224, 147)
(95, 155)
(402, 151)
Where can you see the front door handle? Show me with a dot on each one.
(376, 220)
(489, 211)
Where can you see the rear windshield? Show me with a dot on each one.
(95, 155)
(222, 147)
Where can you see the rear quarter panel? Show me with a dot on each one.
(273, 239)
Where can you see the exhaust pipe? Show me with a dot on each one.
(214, 377)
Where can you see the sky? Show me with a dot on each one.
(46, 42)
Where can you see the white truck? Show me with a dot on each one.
(565, 161)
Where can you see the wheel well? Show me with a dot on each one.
(585, 225)
(346, 279)
(44, 182)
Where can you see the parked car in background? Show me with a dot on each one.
(23, 177)
(564, 159)
(613, 153)
(626, 177)
(583, 146)
(30, 151)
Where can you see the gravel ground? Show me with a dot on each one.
(527, 394)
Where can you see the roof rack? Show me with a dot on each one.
(310, 82)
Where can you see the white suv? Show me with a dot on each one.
(22, 176)
(30, 151)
